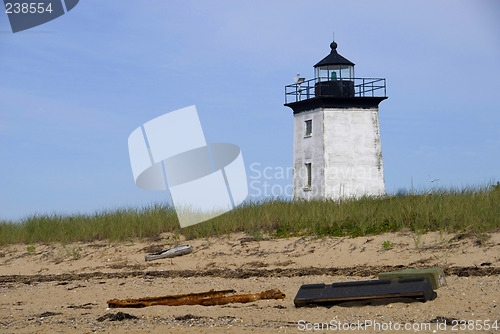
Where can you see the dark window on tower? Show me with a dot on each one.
(309, 127)
(308, 175)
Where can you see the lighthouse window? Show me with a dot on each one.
(309, 176)
(309, 128)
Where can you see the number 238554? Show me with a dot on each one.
(27, 8)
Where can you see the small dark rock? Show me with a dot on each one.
(152, 249)
(76, 287)
(460, 236)
(48, 314)
(246, 239)
(448, 321)
(187, 317)
(120, 316)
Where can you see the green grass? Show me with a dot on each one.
(473, 210)
(386, 245)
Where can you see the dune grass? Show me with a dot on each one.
(473, 210)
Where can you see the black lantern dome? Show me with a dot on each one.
(334, 67)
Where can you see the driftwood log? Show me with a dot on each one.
(209, 298)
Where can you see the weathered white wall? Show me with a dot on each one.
(308, 150)
(345, 152)
(353, 154)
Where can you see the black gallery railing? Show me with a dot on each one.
(355, 87)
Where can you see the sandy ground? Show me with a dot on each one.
(65, 288)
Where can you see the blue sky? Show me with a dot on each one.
(73, 89)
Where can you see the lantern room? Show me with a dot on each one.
(334, 75)
(334, 84)
(334, 67)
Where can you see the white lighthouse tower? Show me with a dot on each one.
(337, 151)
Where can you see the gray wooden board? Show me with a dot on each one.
(172, 252)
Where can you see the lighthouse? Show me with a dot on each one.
(337, 152)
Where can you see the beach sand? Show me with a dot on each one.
(65, 288)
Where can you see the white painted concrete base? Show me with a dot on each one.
(344, 151)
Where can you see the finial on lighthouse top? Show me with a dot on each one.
(333, 46)
(334, 58)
